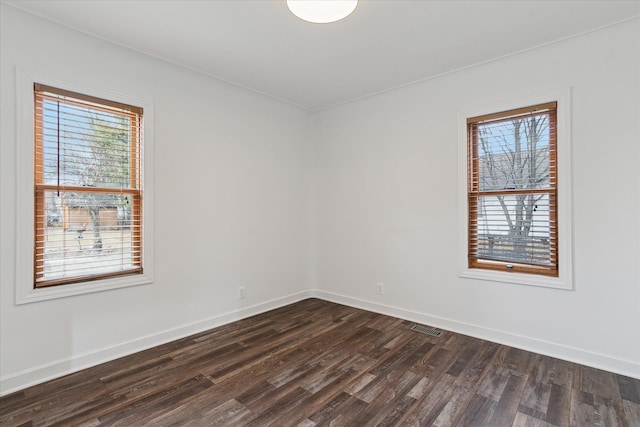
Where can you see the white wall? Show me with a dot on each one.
(387, 192)
(330, 204)
(231, 206)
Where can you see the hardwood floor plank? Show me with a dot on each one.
(321, 381)
(387, 392)
(600, 383)
(536, 397)
(362, 382)
(478, 412)
(343, 415)
(495, 382)
(629, 389)
(317, 363)
(60, 402)
(461, 362)
(229, 413)
(270, 414)
(198, 411)
(532, 412)
(419, 389)
(140, 369)
(424, 411)
(522, 420)
(562, 372)
(434, 363)
(559, 407)
(320, 399)
(582, 410)
(396, 413)
(609, 413)
(509, 402)
(516, 360)
(469, 381)
(632, 412)
(256, 392)
(325, 411)
(394, 401)
(150, 405)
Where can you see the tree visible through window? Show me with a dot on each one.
(512, 191)
(88, 192)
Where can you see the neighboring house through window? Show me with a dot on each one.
(88, 188)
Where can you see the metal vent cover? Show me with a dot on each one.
(427, 330)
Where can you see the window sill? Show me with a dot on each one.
(517, 278)
(63, 291)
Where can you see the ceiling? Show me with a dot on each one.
(260, 45)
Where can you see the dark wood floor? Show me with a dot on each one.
(316, 363)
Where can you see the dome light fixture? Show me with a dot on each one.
(322, 11)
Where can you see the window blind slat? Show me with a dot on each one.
(512, 190)
(87, 188)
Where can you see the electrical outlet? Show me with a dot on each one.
(241, 293)
(380, 288)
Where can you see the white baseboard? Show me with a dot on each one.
(606, 362)
(55, 369)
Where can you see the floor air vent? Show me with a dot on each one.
(426, 330)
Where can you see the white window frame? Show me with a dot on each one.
(25, 292)
(565, 239)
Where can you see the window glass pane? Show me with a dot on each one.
(86, 233)
(514, 228)
(514, 153)
(85, 146)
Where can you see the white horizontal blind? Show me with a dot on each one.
(88, 190)
(512, 190)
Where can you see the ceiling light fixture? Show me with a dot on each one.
(322, 11)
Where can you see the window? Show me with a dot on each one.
(512, 177)
(487, 154)
(87, 188)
